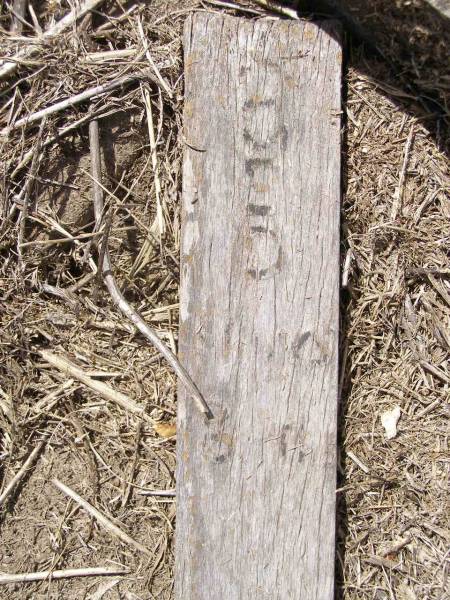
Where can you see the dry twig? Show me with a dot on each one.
(34, 455)
(67, 367)
(101, 519)
(117, 295)
(98, 90)
(62, 574)
(279, 8)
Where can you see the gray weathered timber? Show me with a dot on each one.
(442, 6)
(259, 310)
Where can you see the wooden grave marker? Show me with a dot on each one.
(259, 310)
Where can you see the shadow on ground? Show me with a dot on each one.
(410, 40)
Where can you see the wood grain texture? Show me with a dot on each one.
(259, 310)
(442, 6)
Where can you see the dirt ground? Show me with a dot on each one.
(393, 509)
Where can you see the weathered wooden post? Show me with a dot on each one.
(259, 310)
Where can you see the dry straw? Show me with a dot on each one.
(392, 523)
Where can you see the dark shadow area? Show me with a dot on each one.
(345, 388)
(410, 45)
(342, 528)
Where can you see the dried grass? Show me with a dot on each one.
(393, 526)
(397, 321)
(397, 314)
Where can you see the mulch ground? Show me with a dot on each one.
(393, 524)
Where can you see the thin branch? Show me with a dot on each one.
(117, 295)
(78, 98)
(34, 455)
(168, 493)
(277, 7)
(34, 18)
(112, 22)
(62, 574)
(109, 55)
(64, 240)
(346, 269)
(65, 366)
(50, 399)
(234, 6)
(434, 371)
(101, 519)
(61, 133)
